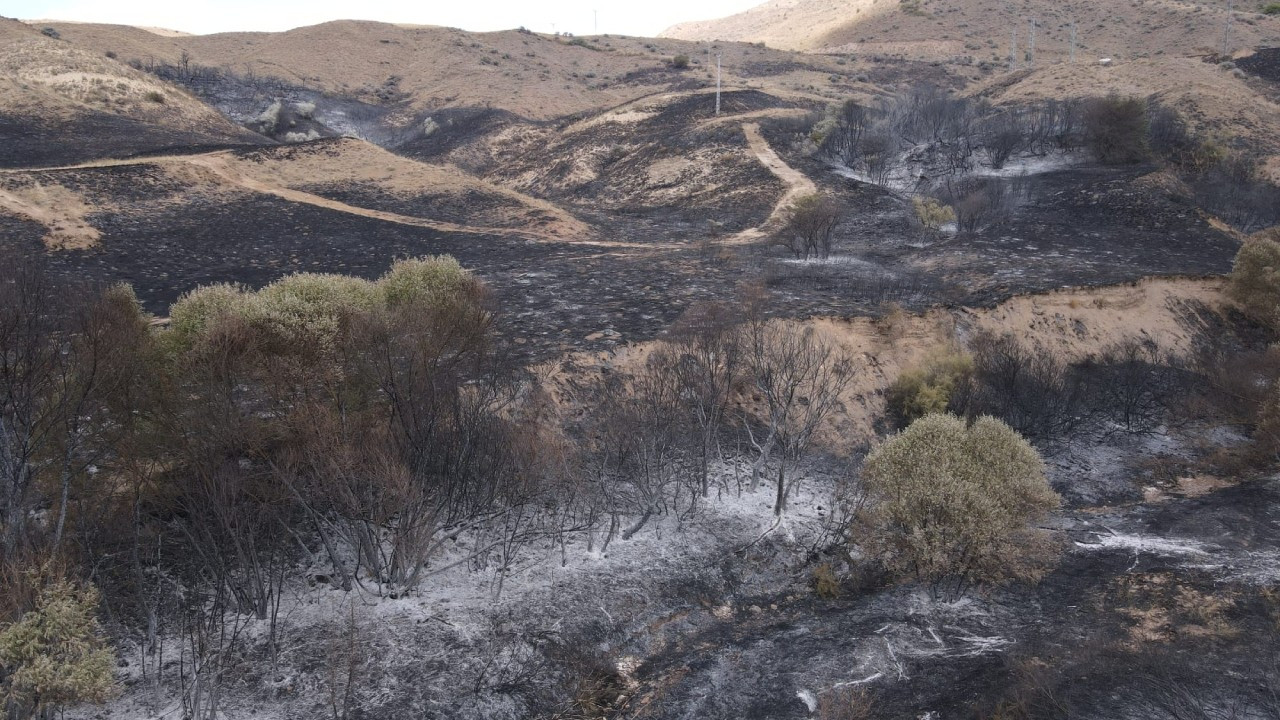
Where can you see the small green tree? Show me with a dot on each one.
(954, 504)
(1255, 278)
(680, 62)
(55, 655)
(931, 213)
(927, 389)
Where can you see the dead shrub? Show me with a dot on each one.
(825, 582)
(845, 703)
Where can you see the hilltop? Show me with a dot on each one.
(424, 68)
(61, 102)
(982, 29)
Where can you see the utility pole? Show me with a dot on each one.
(1013, 49)
(717, 84)
(1031, 43)
(1226, 28)
(595, 22)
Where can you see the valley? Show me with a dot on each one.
(373, 370)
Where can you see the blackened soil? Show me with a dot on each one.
(1264, 63)
(1078, 228)
(1088, 226)
(1080, 627)
(35, 142)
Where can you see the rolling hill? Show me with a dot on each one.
(62, 103)
(982, 29)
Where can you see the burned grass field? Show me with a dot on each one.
(584, 414)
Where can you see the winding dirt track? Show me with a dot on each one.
(218, 163)
(798, 185)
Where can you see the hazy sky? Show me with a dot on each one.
(645, 17)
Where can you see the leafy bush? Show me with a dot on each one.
(955, 503)
(312, 307)
(1255, 279)
(931, 213)
(421, 280)
(927, 389)
(1116, 129)
(1272, 9)
(55, 653)
(155, 97)
(680, 62)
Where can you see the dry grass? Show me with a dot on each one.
(1214, 101)
(883, 350)
(55, 79)
(364, 164)
(535, 76)
(1073, 323)
(63, 212)
(934, 29)
(1161, 609)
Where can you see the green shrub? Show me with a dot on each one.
(931, 213)
(198, 308)
(954, 504)
(1255, 279)
(155, 97)
(680, 62)
(55, 654)
(1272, 9)
(927, 389)
(420, 280)
(308, 311)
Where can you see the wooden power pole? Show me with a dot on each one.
(717, 84)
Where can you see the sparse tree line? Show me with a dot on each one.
(930, 142)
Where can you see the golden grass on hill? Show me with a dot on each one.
(62, 211)
(56, 79)
(981, 29)
(1214, 101)
(532, 75)
(884, 348)
(361, 163)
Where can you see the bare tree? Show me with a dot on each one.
(799, 378)
(707, 342)
(811, 222)
(61, 357)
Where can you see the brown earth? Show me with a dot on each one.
(534, 76)
(1071, 323)
(52, 79)
(981, 29)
